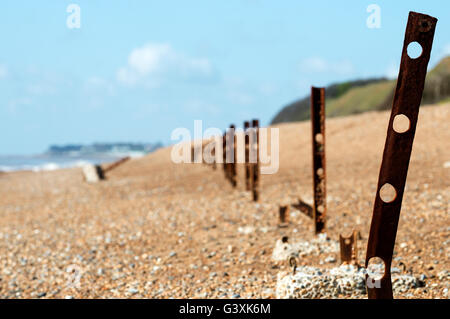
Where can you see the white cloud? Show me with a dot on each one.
(98, 85)
(319, 65)
(150, 58)
(126, 76)
(3, 71)
(155, 62)
(41, 89)
(16, 104)
(314, 64)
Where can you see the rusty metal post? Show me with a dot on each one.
(318, 150)
(304, 208)
(247, 155)
(349, 249)
(213, 153)
(233, 156)
(224, 155)
(284, 216)
(255, 166)
(397, 149)
(228, 155)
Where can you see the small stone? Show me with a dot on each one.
(211, 254)
(133, 291)
(330, 259)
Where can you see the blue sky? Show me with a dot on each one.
(136, 70)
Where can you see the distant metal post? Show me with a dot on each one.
(349, 249)
(318, 150)
(247, 155)
(224, 155)
(397, 150)
(255, 166)
(213, 153)
(283, 216)
(233, 156)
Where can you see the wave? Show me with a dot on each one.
(46, 162)
(50, 166)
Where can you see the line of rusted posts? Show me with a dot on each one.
(393, 172)
(318, 151)
(251, 156)
(397, 151)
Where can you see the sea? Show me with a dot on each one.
(36, 163)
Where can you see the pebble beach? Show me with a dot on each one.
(156, 229)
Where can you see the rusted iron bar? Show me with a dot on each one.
(292, 261)
(397, 149)
(304, 208)
(95, 173)
(115, 164)
(255, 166)
(213, 153)
(349, 249)
(284, 216)
(247, 155)
(224, 155)
(228, 155)
(233, 156)
(318, 150)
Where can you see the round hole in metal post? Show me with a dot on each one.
(319, 138)
(401, 123)
(320, 172)
(388, 193)
(414, 50)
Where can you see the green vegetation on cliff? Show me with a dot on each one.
(359, 96)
